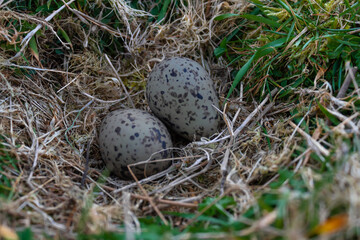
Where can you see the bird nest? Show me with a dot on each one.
(52, 101)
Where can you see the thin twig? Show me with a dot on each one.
(120, 81)
(314, 144)
(349, 77)
(248, 119)
(6, 3)
(181, 180)
(316, 136)
(162, 201)
(225, 161)
(27, 38)
(346, 120)
(296, 38)
(86, 169)
(145, 180)
(83, 17)
(167, 202)
(7, 64)
(150, 199)
(262, 114)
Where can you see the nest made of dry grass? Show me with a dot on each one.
(49, 121)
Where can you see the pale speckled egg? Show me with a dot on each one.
(181, 94)
(130, 136)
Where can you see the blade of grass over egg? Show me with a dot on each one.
(263, 51)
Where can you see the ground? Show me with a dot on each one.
(284, 163)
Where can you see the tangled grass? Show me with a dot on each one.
(285, 162)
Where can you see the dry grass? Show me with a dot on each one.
(50, 110)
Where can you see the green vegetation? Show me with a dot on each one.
(7, 163)
(292, 45)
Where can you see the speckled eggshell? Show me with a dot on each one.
(131, 136)
(181, 94)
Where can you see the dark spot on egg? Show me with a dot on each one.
(193, 93)
(118, 157)
(124, 169)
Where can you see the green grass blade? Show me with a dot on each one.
(25, 234)
(263, 51)
(240, 75)
(350, 9)
(163, 10)
(34, 48)
(294, 85)
(330, 116)
(250, 17)
(225, 16)
(221, 49)
(65, 36)
(291, 31)
(261, 19)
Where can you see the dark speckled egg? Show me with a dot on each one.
(131, 136)
(181, 94)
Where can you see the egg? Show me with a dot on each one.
(131, 136)
(181, 93)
